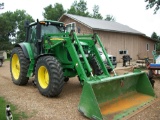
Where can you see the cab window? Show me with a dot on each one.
(50, 29)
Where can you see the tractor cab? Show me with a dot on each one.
(37, 30)
(40, 28)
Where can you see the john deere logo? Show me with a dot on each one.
(56, 39)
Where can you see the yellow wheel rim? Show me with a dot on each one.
(15, 66)
(43, 77)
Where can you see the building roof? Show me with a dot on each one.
(111, 26)
(97, 24)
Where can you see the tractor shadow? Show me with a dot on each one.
(72, 88)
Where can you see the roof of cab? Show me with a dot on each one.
(51, 21)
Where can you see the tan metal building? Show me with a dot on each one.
(117, 38)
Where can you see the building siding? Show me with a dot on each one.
(134, 44)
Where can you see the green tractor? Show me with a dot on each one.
(53, 55)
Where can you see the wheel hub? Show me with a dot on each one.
(43, 77)
(15, 66)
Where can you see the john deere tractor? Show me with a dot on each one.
(52, 55)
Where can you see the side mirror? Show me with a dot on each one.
(26, 24)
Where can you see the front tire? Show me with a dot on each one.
(19, 65)
(49, 76)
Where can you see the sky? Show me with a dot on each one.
(132, 13)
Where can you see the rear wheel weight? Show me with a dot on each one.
(19, 65)
(49, 76)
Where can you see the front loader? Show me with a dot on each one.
(53, 55)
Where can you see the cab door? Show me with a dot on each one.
(32, 39)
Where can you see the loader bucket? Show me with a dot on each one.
(115, 97)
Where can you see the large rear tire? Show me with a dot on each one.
(49, 76)
(19, 65)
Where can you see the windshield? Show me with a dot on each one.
(50, 29)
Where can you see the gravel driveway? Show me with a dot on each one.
(64, 107)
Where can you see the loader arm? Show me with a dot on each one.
(77, 62)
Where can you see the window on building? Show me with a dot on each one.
(79, 29)
(120, 51)
(123, 51)
(147, 47)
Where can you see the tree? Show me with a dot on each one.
(154, 36)
(12, 26)
(7, 26)
(6, 30)
(72, 10)
(20, 16)
(53, 13)
(96, 13)
(110, 18)
(153, 3)
(79, 8)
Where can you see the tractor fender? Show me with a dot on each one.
(24, 49)
(41, 55)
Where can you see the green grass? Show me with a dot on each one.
(16, 114)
